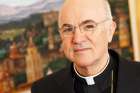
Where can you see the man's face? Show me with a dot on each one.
(84, 41)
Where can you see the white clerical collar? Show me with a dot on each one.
(90, 79)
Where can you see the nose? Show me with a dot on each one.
(78, 36)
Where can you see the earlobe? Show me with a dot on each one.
(112, 29)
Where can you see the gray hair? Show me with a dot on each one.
(108, 9)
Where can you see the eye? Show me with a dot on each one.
(67, 29)
(89, 27)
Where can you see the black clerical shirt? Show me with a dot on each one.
(102, 81)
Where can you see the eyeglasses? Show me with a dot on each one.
(87, 27)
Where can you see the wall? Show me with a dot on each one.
(134, 6)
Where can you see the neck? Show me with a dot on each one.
(95, 69)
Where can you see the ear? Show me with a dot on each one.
(112, 28)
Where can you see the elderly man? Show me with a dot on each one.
(86, 28)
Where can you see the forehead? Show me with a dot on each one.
(74, 13)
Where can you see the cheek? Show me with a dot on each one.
(103, 37)
(68, 49)
(100, 43)
(67, 45)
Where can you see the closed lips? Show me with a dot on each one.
(81, 49)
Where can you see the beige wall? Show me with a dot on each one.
(138, 18)
(134, 6)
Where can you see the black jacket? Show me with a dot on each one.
(128, 78)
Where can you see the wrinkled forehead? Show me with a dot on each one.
(76, 11)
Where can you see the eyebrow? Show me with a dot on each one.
(83, 22)
(87, 21)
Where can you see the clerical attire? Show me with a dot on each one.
(101, 83)
(119, 76)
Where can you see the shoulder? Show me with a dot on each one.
(129, 66)
(125, 65)
(49, 83)
(128, 75)
(123, 61)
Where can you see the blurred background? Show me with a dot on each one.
(30, 42)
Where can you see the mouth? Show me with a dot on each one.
(81, 49)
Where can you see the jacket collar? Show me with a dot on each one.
(67, 84)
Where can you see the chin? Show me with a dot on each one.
(84, 62)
